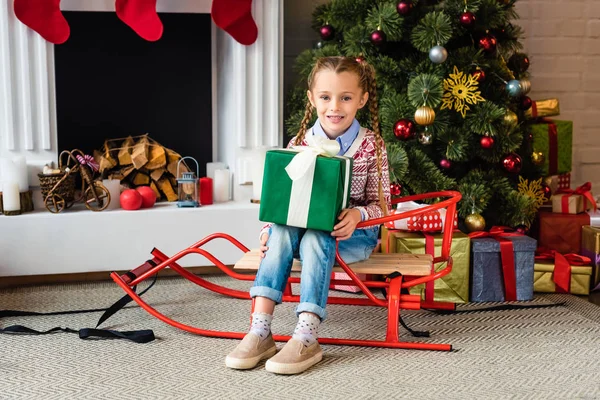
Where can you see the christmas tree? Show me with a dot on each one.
(452, 82)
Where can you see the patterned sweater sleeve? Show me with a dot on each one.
(373, 206)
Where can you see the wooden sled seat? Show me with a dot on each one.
(378, 263)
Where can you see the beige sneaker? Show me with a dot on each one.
(294, 358)
(250, 351)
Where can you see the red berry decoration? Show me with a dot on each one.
(444, 163)
(404, 129)
(395, 189)
(525, 103)
(478, 74)
(327, 32)
(404, 7)
(148, 196)
(512, 163)
(547, 191)
(378, 37)
(131, 199)
(467, 19)
(487, 142)
(488, 43)
(522, 229)
(360, 59)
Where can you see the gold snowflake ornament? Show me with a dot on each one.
(532, 189)
(460, 89)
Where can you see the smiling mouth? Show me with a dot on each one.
(334, 118)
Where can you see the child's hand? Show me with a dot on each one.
(263, 244)
(349, 218)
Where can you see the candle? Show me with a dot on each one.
(8, 171)
(21, 172)
(221, 185)
(114, 188)
(211, 167)
(10, 196)
(206, 191)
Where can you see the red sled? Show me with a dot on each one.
(402, 271)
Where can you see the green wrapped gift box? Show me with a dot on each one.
(312, 201)
(453, 287)
(554, 139)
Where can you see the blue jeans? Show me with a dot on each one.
(316, 251)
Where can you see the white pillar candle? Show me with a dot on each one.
(211, 167)
(8, 171)
(21, 171)
(221, 185)
(114, 188)
(10, 196)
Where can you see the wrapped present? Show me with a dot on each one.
(554, 140)
(557, 182)
(453, 287)
(590, 248)
(432, 221)
(502, 266)
(305, 188)
(543, 108)
(557, 273)
(561, 232)
(569, 201)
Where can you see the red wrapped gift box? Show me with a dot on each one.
(561, 232)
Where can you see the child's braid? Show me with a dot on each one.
(304, 125)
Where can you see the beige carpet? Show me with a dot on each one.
(548, 353)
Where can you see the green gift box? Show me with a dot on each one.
(453, 287)
(554, 139)
(313, 200)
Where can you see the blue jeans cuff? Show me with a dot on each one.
(265, 291)
(312, 308)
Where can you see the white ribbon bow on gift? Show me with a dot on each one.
(307, 157)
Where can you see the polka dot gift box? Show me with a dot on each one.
(429, 222)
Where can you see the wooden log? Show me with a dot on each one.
(165, 187)
(156, 191)
(103, 162)
(124, 156)
(141, 179)
(140, 152)
(157, 174)
(158, 157)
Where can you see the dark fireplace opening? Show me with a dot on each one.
(111, 83)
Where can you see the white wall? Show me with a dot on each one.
(563, 42)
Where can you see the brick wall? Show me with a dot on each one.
(562, 39)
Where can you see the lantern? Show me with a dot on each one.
(187, 187)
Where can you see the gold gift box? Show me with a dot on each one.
(590, 247)
(543, 108)
(577, 204)
(543, 273)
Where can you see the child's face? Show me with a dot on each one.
(337, 98)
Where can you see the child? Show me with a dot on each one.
(337, 88)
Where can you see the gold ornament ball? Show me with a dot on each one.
(538, 157)
(475, 222)
(511, 119)
(424, 116)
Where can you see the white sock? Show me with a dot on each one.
(307, 328)
(261, 324)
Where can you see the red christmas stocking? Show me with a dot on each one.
(45, 18)
(141, 16)
(235, 17)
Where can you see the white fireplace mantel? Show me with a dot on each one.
(247, 117)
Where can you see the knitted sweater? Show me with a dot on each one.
(364, 192)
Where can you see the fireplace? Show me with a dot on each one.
(245, 116)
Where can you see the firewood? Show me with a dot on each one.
(165, 187)
(103, 162)
(109, 153)
(141, 179)
(157, 174)
(125, 152)
(156, 192)
(139, 155)
(158, 157)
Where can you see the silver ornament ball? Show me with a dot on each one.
(525, 86)
(438, 54)
(425, 138)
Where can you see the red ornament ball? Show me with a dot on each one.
(487, 142)
(467, 19)
(395, 189)
(131, 199)
(404, 129)
(148, 196)
(526, 103)
(378, 37)
(488, 43)
(522, 229)
(478, 74)
(326, 32)
(519, 62)
(445, 163)
(512, 163)
(547, 191)
(404, 7)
